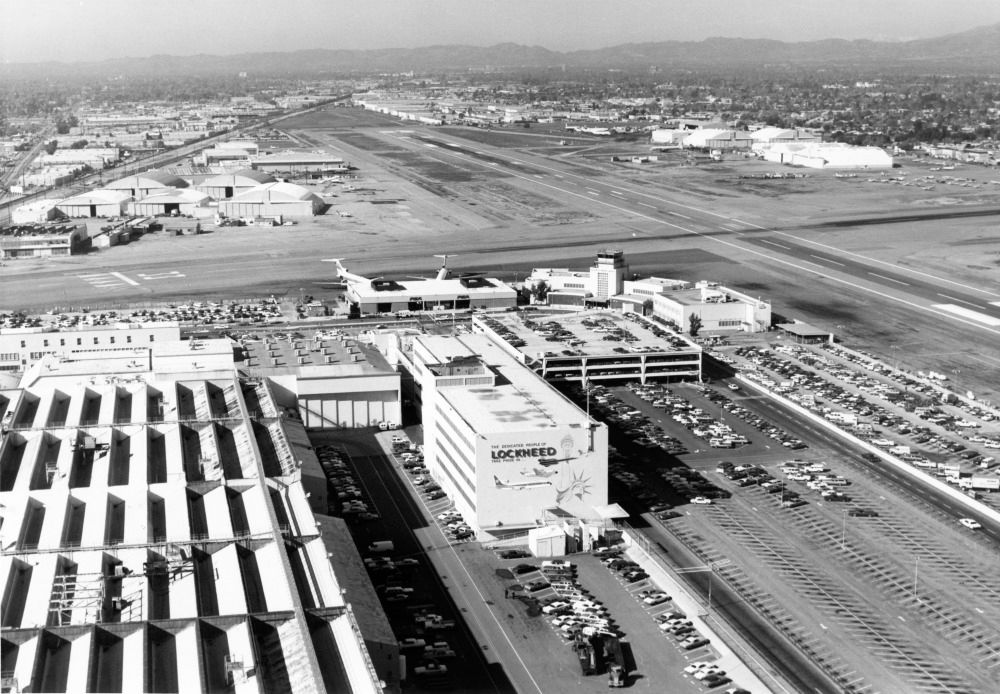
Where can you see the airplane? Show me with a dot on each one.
(539, 472)
(524, 485)
(348, 276)
(546, 462)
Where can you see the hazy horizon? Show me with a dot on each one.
(76, 31)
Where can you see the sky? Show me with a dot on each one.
(93, 30)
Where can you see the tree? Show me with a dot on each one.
(50, 148)
(540, 292)
(694, 324)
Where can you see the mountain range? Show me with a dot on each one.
(974, 50)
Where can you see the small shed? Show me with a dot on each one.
(547, 541)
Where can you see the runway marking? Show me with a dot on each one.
(772, 243)
(646, 204)
(961, 301)
(995, 303)
(678, 214)
(538, 175)
(826, 259)
(875, 274)
(173, 274)
(593, 192)
(967, 313)
(615, 192)
(745, 249)
(123, 278)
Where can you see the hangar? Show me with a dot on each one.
(229, 184)
(95, 203)
(271, 200)
(311, 164)
(828, 155)
(148, 183)
(186, 202)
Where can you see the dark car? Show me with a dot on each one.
(524, 569)
(863, 513)
(514, 554)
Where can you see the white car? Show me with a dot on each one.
(700, 500)
(970, 523)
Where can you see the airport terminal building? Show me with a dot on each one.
(506, 446)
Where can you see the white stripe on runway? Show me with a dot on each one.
(967, 313)
(678, 214)
(646, 204)
(772, 243)
(961, 301)
(889, 279)
(123, 278)
(826, 259)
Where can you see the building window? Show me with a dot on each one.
(96, 341)
(79, 341)
(62, 342)
(45, 343)
(128, 339)
(112, 339)
(23, 344)
(152, 338)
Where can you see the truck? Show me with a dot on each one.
(381, 546)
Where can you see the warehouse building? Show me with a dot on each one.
(158, 536)
(308, 164)
(96, 203)
(507, 448)
(173, 202)
(42, 240)
(149, 183)
(828, 155)
(227, 185)
(374, 296)
(36, 212)
(22, 347)
(719, 309)
(273, 200)
(713, 138)
(772, 135)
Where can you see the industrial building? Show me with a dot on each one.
(510, 450)
(227, 185)
(714, 138)
(719, 308)
(273, 200)
(48, 239)
(236, 153)
(149, 183)
(159, 533)
(772, 135)
(828, 155)
(574, 288)
(36, 212)
(309, 164)
(188, 202)
(95, 203)
(594, 346)
(374, 296)
(22, 347)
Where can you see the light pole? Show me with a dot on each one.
(710, 567)
(843, 531)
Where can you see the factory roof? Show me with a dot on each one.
(519, 400)
(276, 192)
(292, 157)
(238, 179)
(100, 196)
(430, 288)
(150, 179)
(176, 197)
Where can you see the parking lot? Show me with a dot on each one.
(812, 567)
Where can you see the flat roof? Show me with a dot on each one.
(432, 288)
(589, 330)
(803, 330)
(520, 399)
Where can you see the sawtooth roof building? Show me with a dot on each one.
(158, 536)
